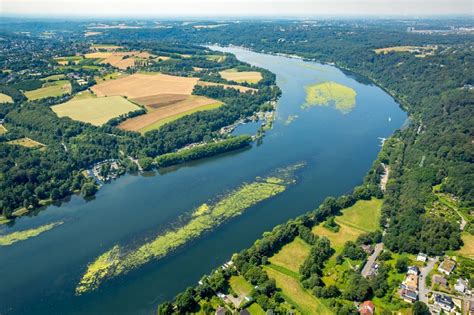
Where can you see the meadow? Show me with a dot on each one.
(467, 250)
(118, 261)
(50, 89)
(27, 143)
(240, 88)
(96, 111)
(158, 117)
(240, 286)
(241, 76)
(3, 130)
(292, 255)
(140, 85)
(332, 94)
(5, 98)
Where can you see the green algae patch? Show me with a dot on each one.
(207, 217)
(332, 94)
(18, 236)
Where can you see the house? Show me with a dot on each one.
(408, 295)
(220, 311)
(411, 282)
(367, 249)
(422, 257)
(461, 286)
(445, 302)
(440, 280)
(367, 308)
(471, 307)
(447, 266)
(413, 270)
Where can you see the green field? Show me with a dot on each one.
(5, 98)
(296, 295)
(160, 123)
(363, 215)
(96, 111)
(3, 130)
(332, 94)
(83, 95)
(255, 309)
(292, 255)
(50, 89)
(240, 285)
(53, 77)
(467, 250)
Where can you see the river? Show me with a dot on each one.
(39, 275)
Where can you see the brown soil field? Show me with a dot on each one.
(140, 85)
(191, 103)
(153, 102)
(98, 55)
(227, 86)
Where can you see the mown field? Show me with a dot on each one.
(95, 111)
(50, 89)
(467, 250)
(240, 88)
(140, 85)
(27, 143)
(242, 76)
(291, 255)
(5, 98)
(162, 115)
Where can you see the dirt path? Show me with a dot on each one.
(371, 260)
(384, 177)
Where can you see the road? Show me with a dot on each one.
(371, 260)
(423, 290)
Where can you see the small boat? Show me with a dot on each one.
(389, 119)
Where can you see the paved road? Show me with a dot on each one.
(371, 260)
(423, 290)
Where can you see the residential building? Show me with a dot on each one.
(422, 257)
(413, 270)
(220, 311)
(445, 302)
(408, 295)
(447, 266)
(367, 308)
(461, 286)
(440, 280)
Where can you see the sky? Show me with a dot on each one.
(235, 8)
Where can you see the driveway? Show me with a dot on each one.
(371, 260)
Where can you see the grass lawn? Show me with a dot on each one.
(53, 77)
(296, 295)
(96, 111)
(345, 233)
(83, 95)
(363, 215)
(5, 98)
(467, 250)
(292, 255)
(50, 89)
(27, 143)
(240, 285)
(242, 76)
(256, 309)
(166, 120)
(3, 129)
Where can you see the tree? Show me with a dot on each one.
(402, 264)
(185, 301)
(89, 189)
(420, 308)
(165, 309)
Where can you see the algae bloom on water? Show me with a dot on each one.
(14, 237)
(330, 94)
(120, 260)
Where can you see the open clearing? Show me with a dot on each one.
(255, 309)
(161, 115)
(83, 95)
(27, 143)
(65, 60)
(53, 77)
(3, 130)
(105, 47)
(50, 89)
(140, 85)
(240, 285)
(240, 88)
(96, 111)
(292, 255)
(123, 60)
(467, 250)
(5, 98)
(295, 294)
(243, 76)
(100, 54)
(362, 217)
(421, 51)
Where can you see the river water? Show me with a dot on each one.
(39, 275)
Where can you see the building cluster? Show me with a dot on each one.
(409, 287)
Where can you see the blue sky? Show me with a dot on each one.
(236, 8)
